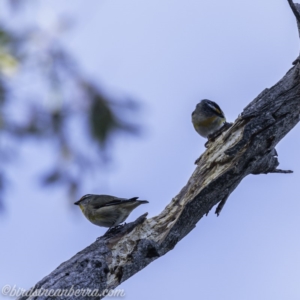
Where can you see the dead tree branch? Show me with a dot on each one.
(248, 147)
(294, 9)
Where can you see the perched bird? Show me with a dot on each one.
(207, 118)
(107, 211)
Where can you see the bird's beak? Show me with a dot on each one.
(77, 202)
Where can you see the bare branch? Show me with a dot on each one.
(295, 10)
(247, 147)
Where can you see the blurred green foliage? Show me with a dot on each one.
(44, 95)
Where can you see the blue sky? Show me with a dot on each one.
(170, 55)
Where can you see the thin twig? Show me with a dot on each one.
(282, 171)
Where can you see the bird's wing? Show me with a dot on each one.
(119, 201)
(109, 201)
(102, 200)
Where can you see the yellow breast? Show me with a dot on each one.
(207, 121)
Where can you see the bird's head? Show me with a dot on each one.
(84, 200)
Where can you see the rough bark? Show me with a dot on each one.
(248, 147)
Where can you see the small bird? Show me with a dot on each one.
(107, 211)
(208, 118)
